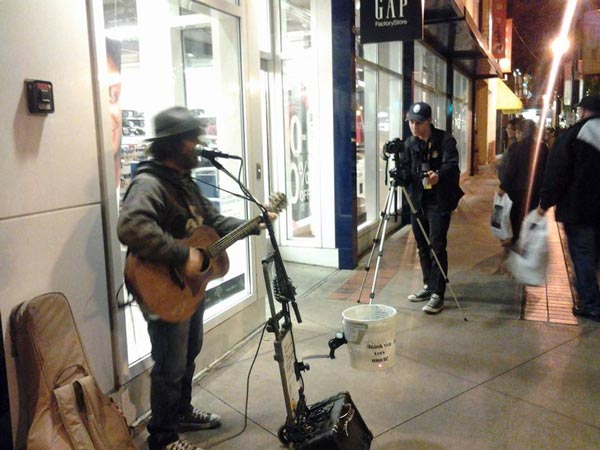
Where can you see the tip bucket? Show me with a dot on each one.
(371, 334)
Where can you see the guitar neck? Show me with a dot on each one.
(227, 241)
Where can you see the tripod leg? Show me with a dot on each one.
(413, 210)
(379, 237)
(389, 206)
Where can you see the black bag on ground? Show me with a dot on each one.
(337, 425)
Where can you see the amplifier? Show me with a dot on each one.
(334, 424)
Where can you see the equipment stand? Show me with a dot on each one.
(290, 368)
(379, 238)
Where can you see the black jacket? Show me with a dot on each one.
(157, 214)
(571, 175)
(441, 154)
(517, 167)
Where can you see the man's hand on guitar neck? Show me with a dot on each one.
(272, 217)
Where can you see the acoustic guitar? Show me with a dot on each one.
(164, 291)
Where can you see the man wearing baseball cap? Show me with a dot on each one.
(432, 157)
(571, 184)
(162, 206)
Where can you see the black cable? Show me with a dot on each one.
(125, 303)
(526, 46)
(239, 433)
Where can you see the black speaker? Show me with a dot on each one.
(334, 424)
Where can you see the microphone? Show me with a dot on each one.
(212, 154)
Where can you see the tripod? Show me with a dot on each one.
(378, 241)
(386, 212)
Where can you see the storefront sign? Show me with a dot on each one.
(391, 20)
(506, 62)
(499, 28)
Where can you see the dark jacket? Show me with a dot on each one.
(571, 176)
(517, 167)
(157, 214)
(441, 154)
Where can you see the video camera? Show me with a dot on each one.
(392, 148)
(395, 150)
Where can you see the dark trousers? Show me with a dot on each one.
(519, 210)
(174, 350)
(584, 248)
(436, 226)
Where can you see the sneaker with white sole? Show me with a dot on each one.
(195, 419)
(182, 444)
(434, 305)
(420, 296)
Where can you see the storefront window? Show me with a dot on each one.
(460, 120)
(298, 73)
(378, 119)
(178, 52)
(430, 83)
(390, 56)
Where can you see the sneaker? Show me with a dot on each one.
(434, 305)
(421, 296)
(199, 420)
(182, 444)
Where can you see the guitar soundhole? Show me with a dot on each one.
(205, 260)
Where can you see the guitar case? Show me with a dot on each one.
(64, 408)
(335, 424)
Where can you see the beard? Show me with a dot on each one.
(186, 160)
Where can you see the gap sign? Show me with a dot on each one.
(390, 20)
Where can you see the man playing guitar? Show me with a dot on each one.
(162, 207)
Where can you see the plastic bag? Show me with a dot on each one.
(528, 265)
(500, 221)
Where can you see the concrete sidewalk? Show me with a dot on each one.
(494, 381)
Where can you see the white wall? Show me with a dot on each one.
(51, 236)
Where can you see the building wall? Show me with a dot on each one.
(51, 234)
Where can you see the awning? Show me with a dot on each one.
(506, 100)
(451, 31)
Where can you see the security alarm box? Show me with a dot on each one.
(40, 98)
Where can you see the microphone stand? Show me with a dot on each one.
(284, 292)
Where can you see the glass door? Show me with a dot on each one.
(179, 52)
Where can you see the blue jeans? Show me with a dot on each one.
(174, 350)
(584, 248)
(435, 224)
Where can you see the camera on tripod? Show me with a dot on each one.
(396, 150)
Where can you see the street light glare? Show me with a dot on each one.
(560, 45)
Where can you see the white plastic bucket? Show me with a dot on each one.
(371, 334)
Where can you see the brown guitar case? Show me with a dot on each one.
(64, 407)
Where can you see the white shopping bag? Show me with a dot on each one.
(529, 263)
(500, 221)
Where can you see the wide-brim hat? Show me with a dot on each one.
(591, 103)
(174, 121)
(419, 111)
